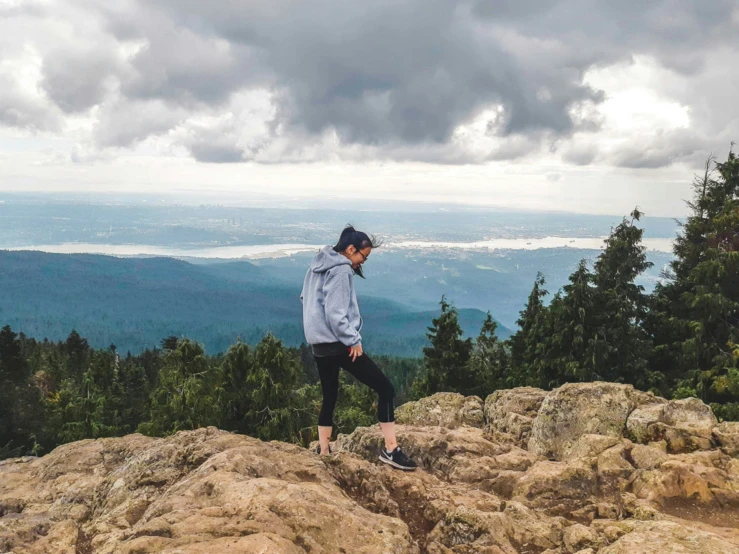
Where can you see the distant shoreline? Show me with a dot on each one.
(284, 250)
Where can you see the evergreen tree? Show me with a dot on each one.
(83, 410)
(234, 396)
(19, 400)
(695, 313)
(77, 350)
(572, 333)
(128, 400)
(489, 361)
(185, 396)
(528, 343)
(151, 361)
(447, 358)
(13, 365)
(170, 343)
(274, 377)
(12, 374)
(621, 346)
(592, 330)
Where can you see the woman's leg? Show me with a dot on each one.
(366, 371)
(388, 431)
(324, 437)
(328, 371)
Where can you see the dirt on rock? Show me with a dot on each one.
(649, 476)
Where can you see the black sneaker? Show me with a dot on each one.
(398, 459)
(318, 449)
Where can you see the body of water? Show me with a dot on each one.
(280, 250)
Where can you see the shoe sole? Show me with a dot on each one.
(398, 466)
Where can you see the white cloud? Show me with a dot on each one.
(22, 103)
(124, 90)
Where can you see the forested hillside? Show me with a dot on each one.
(682, 340)
(56, 392)
(134, 302)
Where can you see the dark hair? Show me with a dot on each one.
(358, 239)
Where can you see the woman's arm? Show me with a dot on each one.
(337, 296)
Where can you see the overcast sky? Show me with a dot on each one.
(578, 105)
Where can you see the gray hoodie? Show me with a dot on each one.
(330, 309)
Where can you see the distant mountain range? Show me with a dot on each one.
(135, 302)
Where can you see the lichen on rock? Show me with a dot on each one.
(607, 470)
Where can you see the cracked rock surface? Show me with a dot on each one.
(586, 468)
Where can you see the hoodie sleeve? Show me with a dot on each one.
(337, 291)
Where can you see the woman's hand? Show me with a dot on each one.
(355, 351)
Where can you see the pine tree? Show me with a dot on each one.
(77, 350)
(18, 398)
(621, 346)
(274, 377)
(447, 358)
(83, 415)
(570, 348)
(489, 361)
(170, 343)
(592, 329)
(528, 343)
(695, 314)
(185, 396)
(234, 395)
(128, 398)
(11, 375)
(13, 364)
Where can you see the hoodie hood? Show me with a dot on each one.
(327, 258)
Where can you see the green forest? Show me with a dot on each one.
(134, 302)
(681, 340)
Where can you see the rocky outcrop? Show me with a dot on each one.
(512, 411)
(669, 537)
(684, 425)
(198, 491)
(443, 409)
(578, 409)
(587, 468)
(726, 436)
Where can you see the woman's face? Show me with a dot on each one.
(358, 257)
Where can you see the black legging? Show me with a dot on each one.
(366, 371)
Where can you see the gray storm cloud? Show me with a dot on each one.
(395, 78)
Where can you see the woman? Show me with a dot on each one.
(332, 323)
